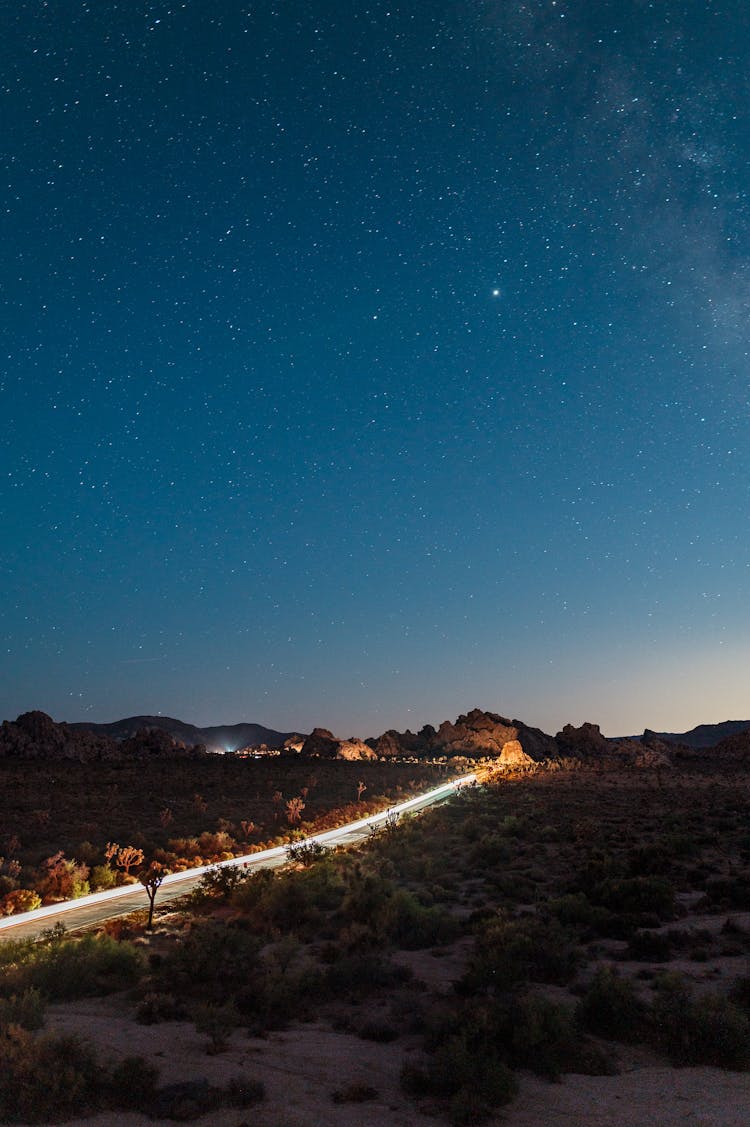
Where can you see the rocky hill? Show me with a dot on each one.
(476, 735)
(704, 735)
(35, 735)
(222, 737)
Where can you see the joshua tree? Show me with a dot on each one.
(151, 878)
(294, 808)
(123, 856)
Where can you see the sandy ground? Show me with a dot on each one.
(303, 1066)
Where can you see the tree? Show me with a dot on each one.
(361, 788)
(294, 808)
(151, 878)
(125, 857)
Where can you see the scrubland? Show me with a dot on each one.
(590, 924)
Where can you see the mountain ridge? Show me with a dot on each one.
(472, 736)
(216, 737)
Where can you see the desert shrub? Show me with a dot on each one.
(636, 896)
(509, 952)
(599, 867)
(87, 967)
(289, 902)
(15, 952)
(358, 974)
(513, 826)
(490, 851)
(19, 900)
(535, 1033)
(216, 1022)
(155, 1007)
(652, 946)
(611, 1007)
(219, 883)
(366, 898)
(209, 963)
(45, 1078)
(213, 844)
(467, 1071)
(306, 852)
(650, 859)
(132, 1083)
(61, 878)
(408, 924)
(102, 877)
(575, 910)
(7, 884)
(709, 1029)
(25, 1009)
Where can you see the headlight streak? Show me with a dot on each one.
(276, 852)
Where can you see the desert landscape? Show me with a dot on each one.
(567, 942)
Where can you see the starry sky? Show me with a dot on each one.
(366, 362)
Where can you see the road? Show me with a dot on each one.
(87, 911)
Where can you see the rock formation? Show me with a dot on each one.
(321, 742)
(477, 735)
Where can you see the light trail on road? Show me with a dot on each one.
(94, 908)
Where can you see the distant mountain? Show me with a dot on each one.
(704, 735)
(221, 737)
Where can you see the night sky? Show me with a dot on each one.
(366, 362)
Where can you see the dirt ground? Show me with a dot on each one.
(302, 1067)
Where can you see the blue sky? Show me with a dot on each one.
(368, 363)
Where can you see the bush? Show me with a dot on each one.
(217, 1023)
(611, 1007)
(466, 1070)
(132, 1083)
(82, 968)
(537, 1034)
(408, 924)
(211, 962)
(102, 877)
(218, 883)
(704, 1030)
(358, 974)
(26, 1010)
(306, 853)
(155, 1007)
(575, 910)
(19, 900)
(44, 1079)
(511, 952)
(636, 896)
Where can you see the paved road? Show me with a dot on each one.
(101, 906)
